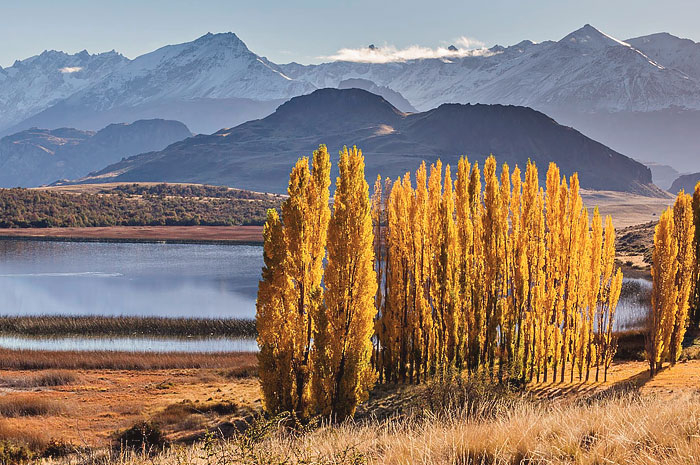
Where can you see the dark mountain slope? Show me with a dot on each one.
(259, 154)
(40, 156)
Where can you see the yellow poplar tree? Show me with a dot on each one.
(345, 325)
(274, 339)
(305, 216)
(595, 263)
(465, 241)
(695, 291)
(477, 318)
(664, 296)
(684, 233)
(553, 246)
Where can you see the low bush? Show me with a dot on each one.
(145, 437)
(12, 453)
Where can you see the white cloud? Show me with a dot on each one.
(468, 43)
(70, 69)
(388, 53)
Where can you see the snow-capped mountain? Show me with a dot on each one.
(587, 70)
(32, 85)
(215, 66)
(671, 52)
(641, 97)
(215, 76)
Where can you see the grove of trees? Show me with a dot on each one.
(489, 275)
(675, 272)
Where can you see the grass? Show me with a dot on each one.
(50, 378)
(618, 426)
(13, 405)
(105, 360)
(56, 326)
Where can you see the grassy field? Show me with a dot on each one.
(628, 420)
(207, 408)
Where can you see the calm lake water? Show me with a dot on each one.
(90, 278)
(170, 280)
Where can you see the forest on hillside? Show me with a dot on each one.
(134, 205)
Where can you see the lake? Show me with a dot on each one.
(92, 278)
(168, 280)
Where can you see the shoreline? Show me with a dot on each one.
(216, 235)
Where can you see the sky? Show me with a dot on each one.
(312, 31)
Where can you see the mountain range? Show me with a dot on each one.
(257, 155)
(640, 96)
(40, 156)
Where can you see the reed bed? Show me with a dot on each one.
(25, 405)
(48, 325)
(50, 378)
(106, 360)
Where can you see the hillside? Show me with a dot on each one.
(687, 182)
(258, 155)
(41, 156)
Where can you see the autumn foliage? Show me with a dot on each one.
(455, 272)
(509, 279)
(674, 271)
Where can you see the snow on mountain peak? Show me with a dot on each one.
(588, 37)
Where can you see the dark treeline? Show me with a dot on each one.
(188, 190)
(171, 206)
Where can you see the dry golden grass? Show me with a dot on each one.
(618, 428)
(51, 378)
(27, 405)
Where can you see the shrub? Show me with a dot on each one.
(59, 448)
(14, 453)
(143, 437)
(476, 396)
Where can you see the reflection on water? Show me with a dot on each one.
(635, 304)
(170, 280)
(90, 278)
(124, 344)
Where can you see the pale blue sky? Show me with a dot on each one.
(306, 30)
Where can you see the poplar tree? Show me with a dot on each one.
(465, 248)
(684, 234)
(274, 338)
(305, 216)
(695, 291)
(595, 267)
(343, 345)
(664, 297)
